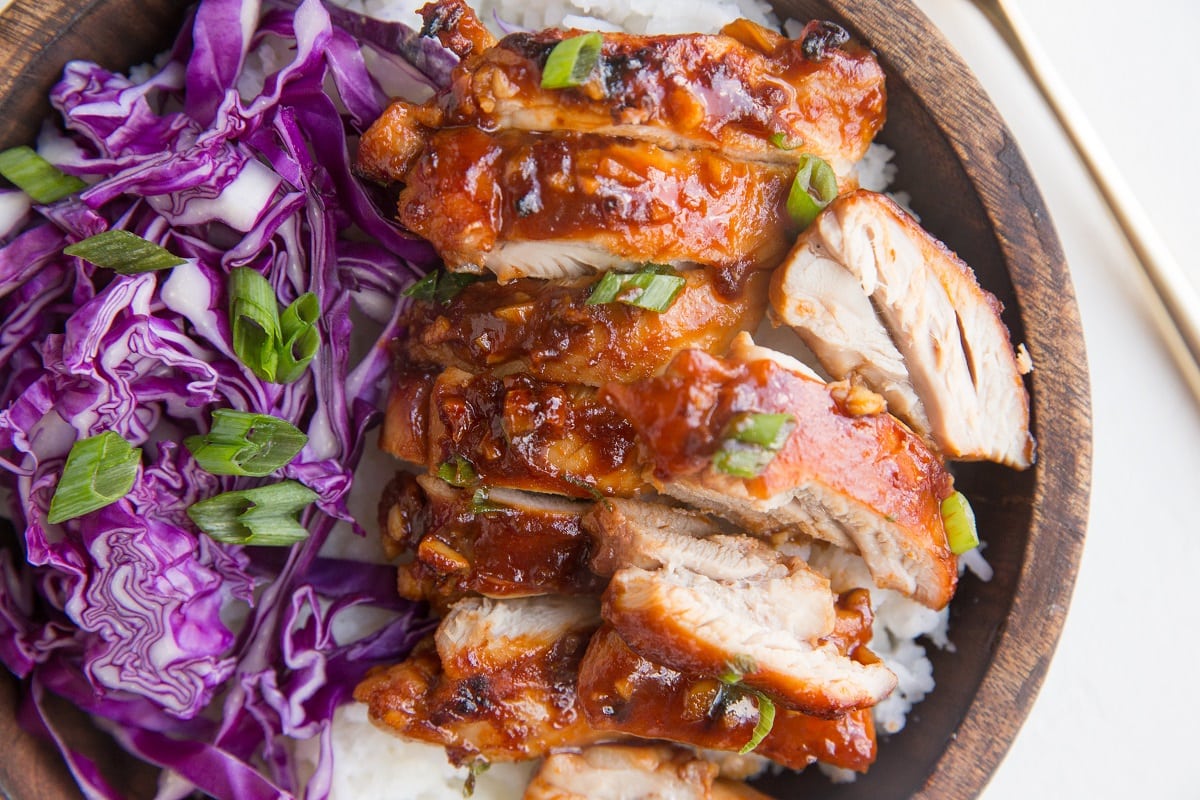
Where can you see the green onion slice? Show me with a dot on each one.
(766, 721)
(481, 502)
(123, 252)
(572, 61)
(246, 444)
(458, 471)
(36, 176)
(959, 521)
(814, 187)
(751, 442)
(782, 142)
(654, 288)
(477, 767)
(742, 462)
(736, 669)
(424, 289)
(276, 347)
(254, 318)
(590, 488)
(765, 430)
(298, 327)
(440, 286)
(262, 516)
(100, 470)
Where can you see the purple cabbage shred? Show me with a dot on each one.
(233, 149)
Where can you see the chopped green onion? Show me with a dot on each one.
(766, 721)
(765, 430)
(651, 289)
(736, 669)
(606, 289)
(751, 442)
(591, 489)
(481, 502)
(254, 318)
(440, 286)
(36, 176)
(262, 516)
(245, 444)
(814, 188)
(123, 252)
(458, 471)
(276, 347)
(298, 327)
(959, 521)
(100, 470)
(423, 289)
(477, 767)
(572, 61)
(782, 142)
(452, 283)
(742, 462)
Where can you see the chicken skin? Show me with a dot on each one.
(855, 477)
(515, 432)
(549, 330)
(524, 545)
(561, 204)
(748, 92)
(496, 682)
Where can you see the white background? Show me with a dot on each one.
(1116, 717)
(1117, 714)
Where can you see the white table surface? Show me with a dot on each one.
(1115, 716)
(1118, 704)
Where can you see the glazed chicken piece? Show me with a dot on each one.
(881, 302)
(497, 681)
(698, 604)
(748, 92)
(548, 330)
(527, 545)
(625, 693)
(405, 432)
(554, 205)
(848, 473)
(680, 150)
(633, 772)
(514, 432)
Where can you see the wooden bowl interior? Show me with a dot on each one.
(971, 188)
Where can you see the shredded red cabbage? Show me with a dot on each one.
(124, 611)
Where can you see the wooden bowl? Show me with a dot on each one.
(972, 188)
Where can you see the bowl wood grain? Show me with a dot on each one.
(972, 188)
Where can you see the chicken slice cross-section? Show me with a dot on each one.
(862, 481)
(879, 300)
(699, 604)
(524, 545)
(625, 693)
(515, 432)
(496, 682)
(650, 536)
(749, 92)
(555, 205)
(549, 330)
(633, 772)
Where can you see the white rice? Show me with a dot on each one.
(418, 771)
(632, 16)
(370, 765)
